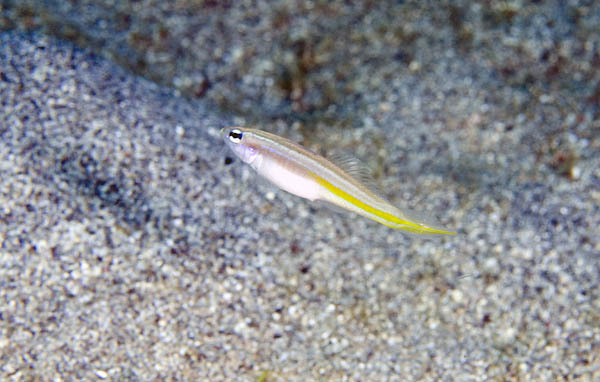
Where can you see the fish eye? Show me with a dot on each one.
(235, 136)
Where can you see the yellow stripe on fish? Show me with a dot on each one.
(383, 217)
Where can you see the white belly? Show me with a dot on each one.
(291, 180)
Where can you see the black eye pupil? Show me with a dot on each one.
(235, 134)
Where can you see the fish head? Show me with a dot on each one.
(239, 141)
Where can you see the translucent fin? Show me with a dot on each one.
(330, 206)
(430, 224)
(356, 169)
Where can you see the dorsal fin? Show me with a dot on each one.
(356, 169)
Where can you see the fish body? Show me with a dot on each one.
(301, 172)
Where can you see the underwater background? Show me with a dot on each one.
(133, 246)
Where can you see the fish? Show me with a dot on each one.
(303, 173)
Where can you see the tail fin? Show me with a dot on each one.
(420, 223)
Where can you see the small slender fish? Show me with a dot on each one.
(301, 172)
